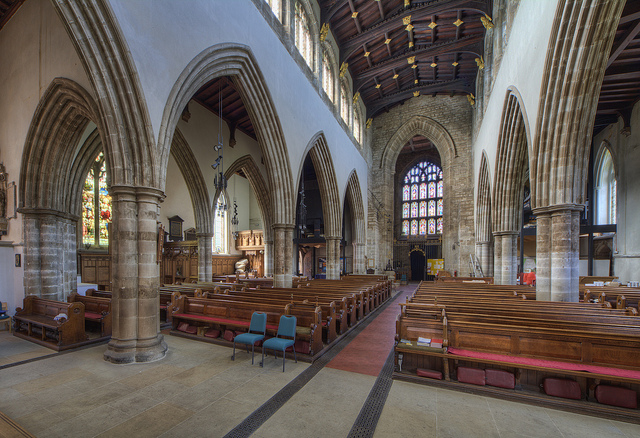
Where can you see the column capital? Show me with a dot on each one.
(505, 233)
(40, 212)
(332, 237)
(557, 208)
(283, 226)
(205, 235)
(136, 191)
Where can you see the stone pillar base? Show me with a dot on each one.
(136, 351)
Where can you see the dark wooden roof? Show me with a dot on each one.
(621, 85)
(376, 42)
(7, 9)
(223, 92)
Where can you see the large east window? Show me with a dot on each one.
(422, 203)
(96, 206)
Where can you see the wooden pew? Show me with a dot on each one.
(35, 322)
(96, 309)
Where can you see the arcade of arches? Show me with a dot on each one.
(134, 155)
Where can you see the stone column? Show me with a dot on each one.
(205, 251)
(358, 258)
(543, 255)
(32, 278)
(497, 258)
(564, 260)
(282, 255)
(485, 257)
(268, 258)
(509, 257)
(333, 257)
(135, 277)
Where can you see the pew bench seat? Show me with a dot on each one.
(219, 320)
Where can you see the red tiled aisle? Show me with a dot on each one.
(367, 353)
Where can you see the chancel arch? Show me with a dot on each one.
(511, 165)
(237, 62)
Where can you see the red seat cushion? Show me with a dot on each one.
(616, 396)
(229, 335)
(500, 378)
(471, 375)
(564, 388)
(92, 315)
(429, 373)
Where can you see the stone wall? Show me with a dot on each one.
(450, 117)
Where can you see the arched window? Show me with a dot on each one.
(96, 206)
(220, 226)
(327, 76)
(276, 7)
(303, 34)
(422, 203)
(344, 104)
(606, 195)
(357, 125)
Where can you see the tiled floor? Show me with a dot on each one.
(198, 391)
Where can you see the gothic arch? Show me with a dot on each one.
(353, 195)
(579, 47)
(323, 164)
(128, 135)
(483, 212)
(249, 167)
(419, 125)
(196, 185)
(238, 62)
(511, 164)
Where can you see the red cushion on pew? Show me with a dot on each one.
(616, 396)
(229, 335)
(500, 378)
(475, 376)
(564, 388)
(212, 333)
(429, 373)
(183, 326)
(92, 315)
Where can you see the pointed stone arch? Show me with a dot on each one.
(353, 195)
(128, 135)
(509, 179)
(484, 236)
(581, 38)
(53, 169)
(248, 166)
(190, 170)
(419, 125)
(237, 61)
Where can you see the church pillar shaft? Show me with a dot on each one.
(509, 258)
(497, 259)
(563, 257)
(283, 255)
(268, 258)
(135, 277)
(32, 260)
(333, 258)
(485, 257)
(543, 257)
(205, 251)
(358, 258)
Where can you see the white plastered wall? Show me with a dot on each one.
(522, 68)
(34, 49)
(164, 37)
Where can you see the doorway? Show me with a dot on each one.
(418, 264)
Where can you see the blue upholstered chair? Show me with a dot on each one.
(285, 338)
(257, 330)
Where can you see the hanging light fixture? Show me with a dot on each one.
(234, 220)
(219, 181)
(302, 209)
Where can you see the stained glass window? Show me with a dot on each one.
(423, 185)
(432, 207)
(432, 226)
(423, 208)
(405, 210)
(96, 206)
(423, 226)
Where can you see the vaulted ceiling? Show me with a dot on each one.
(397, 49)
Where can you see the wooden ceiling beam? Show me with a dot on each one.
(386, 37)
(396, 78)
(375, 106)
(381, 9)
(354, 15)
(327, 14)
(378, 87)
(626, 39)
(366, 50)
(417, 13)
(12, 9)
(471, 44)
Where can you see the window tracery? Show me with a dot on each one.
(423, 206)
(303, 34)
(96, 206)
